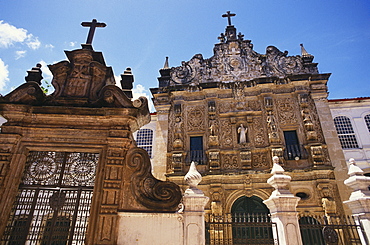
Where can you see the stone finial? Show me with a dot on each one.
(307, 58)
(166, 64)
(276, 168)
(127, 80)
(35, 74)
(193, 177)
(354, 169)
(279, 180)
(357, 181)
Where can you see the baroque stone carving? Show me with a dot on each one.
(226, 133)
(260, 160)
(272, 129)
(150, 193)
(236, 60)
(259, 132)
(246, 159)
(230, 161)
(195, 118)
(286, 108)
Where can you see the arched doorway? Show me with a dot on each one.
(251, 221)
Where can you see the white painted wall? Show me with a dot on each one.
(355, 109)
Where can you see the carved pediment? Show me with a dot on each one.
(235, 60)
(28, 93)
(82, 77)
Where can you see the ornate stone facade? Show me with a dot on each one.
(248, 107)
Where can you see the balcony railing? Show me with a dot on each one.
(295, 152)
(197, 156)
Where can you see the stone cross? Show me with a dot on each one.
(93, 24)
(228, 15)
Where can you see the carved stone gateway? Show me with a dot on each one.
(74, 151)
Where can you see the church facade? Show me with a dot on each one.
(232, 112)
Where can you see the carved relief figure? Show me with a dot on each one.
(242, 131)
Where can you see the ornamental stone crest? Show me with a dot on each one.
(235, 60)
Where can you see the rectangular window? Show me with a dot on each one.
(293, 149)
(196, 150)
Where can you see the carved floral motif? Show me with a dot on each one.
(286, 108)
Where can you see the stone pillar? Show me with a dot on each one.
(282, 204)
(194, 202)
(359, 201)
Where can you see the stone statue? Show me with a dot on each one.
(242, 131)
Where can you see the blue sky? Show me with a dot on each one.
(141, 33)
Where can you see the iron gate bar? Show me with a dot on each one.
(240, 229)
(54, 199)
(347, 229)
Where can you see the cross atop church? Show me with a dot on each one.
(93, 24)
(228, 15)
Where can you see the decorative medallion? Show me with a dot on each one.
(82, 171)
(330, 235)
(44, 169)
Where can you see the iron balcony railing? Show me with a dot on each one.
(295, 152)
(197, 156)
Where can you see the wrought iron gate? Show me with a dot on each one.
(339, 230)
(230, 229)
(54, 199)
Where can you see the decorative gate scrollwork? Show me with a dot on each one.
(54, 199)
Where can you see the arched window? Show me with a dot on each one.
(144, 139)
(367, 121)
(345, 132)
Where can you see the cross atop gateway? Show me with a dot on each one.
(228, 15)
(93, 24)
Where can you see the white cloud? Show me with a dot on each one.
(9, 35)
(72, 44)
(46, 73)
(49, 46)
(20, 54)
(4, 74)
(33, 42)
(118, 81)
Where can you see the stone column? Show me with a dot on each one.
(194, 202)
(359, 201)
(282, 204)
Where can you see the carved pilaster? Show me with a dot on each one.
(214, 159)
(246, 159)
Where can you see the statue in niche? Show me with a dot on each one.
(212, 130)
(273, 135)
(307, 119)
(213, 138)
(242, 131)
